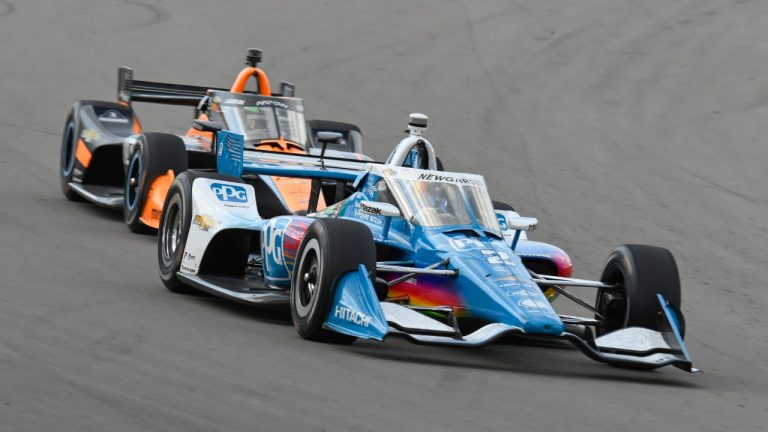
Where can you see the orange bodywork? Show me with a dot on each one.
(82, 153)
(136, 125)
(153, 207)
(295, 191)
(206, 137)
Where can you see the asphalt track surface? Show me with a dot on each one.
(611, 121)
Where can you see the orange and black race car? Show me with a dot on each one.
(107, 158)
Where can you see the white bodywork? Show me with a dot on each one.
(507, 230)
(212, 214)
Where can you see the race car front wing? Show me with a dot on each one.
(356, 311)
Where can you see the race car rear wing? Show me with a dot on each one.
(233, 159)
(129, 90)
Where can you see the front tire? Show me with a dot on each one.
(154, 155)
(640, 271)
(175, 223)
(330, 248)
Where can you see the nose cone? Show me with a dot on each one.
(505, 292)
(544, 326)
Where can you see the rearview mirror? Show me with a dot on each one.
(329, 137)
(287, 89)
(522, 223)
(378, 208)
(207, 126)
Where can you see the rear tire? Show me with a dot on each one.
(330, 248)
(498, 205)
(641, 271)
(175, 223)
(68, 161)
(153, 156)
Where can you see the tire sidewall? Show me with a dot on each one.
(308, 323)
(131, 213)
(181, 187)
(68, 139)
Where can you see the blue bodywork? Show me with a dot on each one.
(492, 283)
(484, 277)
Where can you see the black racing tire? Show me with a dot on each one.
(641, 271)
(67, 160)
(330, 248)
(175, 223)
(498, 205)
(153, 155)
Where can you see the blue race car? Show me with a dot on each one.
(404, 249)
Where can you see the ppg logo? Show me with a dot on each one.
(502, 221)
(229, 192)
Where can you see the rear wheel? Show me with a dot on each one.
(153, 156)
(330, 248)
(68, 161)
(639, 271)
(498, 205)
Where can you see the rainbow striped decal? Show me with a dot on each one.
(293, 233)
(428, 291)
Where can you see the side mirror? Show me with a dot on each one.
(522, 223)
(207, 126)
(378, 208)
(329, 137)
(287, 89)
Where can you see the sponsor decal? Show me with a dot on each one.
(230, 193)
(112, 116)
(502, 221)
(450, 179)
(517, 293)
(532, 304)
(90, 135)
(189, 263)
(359, 214)
(234, 102)
(491, 255)
(498, 257)
(466, 243)
(273, 103)
(354, 317)
(273, 247)
(370, 209)
(205, 222)
(233, 145)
